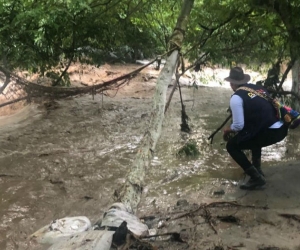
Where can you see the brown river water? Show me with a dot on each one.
(67, 160)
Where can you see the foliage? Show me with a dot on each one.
(190, 149)
(232, 32)
(39, 35)
(55, 78)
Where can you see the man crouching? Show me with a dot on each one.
(254, 123)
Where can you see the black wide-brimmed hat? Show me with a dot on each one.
(237, 76)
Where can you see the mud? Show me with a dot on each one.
(66, 158)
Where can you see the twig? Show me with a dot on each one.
(6, 175)
(235, 204)
(208, 217)
(14, 101)
(157, 235)
(284, 93)
(186, 214)
(215, 204)
(291, 216)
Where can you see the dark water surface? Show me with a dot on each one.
(68, 161)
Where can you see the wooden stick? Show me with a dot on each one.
(211, 137)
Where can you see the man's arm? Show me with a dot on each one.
(237, 110)
(236, 106)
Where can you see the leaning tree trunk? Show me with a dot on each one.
(296, 82)
(132, 190)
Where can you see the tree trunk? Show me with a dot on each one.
(132, 190)
(296, 82)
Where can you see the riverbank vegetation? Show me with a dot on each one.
(39, 36)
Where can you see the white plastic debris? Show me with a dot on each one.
(61, 228)
(152, 231)
(76, 233)
(161, 224)
(120, 206)
(118, 213)
(91, 240)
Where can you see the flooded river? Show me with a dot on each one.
(68, 159)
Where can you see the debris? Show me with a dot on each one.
(229, 219)
(117, 214)
(92, 240)
(161, 224)
(219, 192)
(174, 236)
(291, 216)
(119, 237)
(61, 228)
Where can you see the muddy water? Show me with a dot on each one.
(68, 160)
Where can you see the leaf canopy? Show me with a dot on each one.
(38, 35)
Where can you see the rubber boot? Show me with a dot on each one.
(256, 179)
(257, 165)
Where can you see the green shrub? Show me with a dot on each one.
(190, 149)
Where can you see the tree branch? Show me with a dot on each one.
(285, 93)
(284, 76)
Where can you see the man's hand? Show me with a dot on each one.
(228, 134)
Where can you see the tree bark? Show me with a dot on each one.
(132, 190)
(296, 82)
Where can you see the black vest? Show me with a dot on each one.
(259, 114)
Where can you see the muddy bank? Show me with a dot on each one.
(66, 158)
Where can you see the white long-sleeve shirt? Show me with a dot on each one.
(236, 106)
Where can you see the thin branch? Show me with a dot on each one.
(291, 216)
(63, 73)
(207, 217)
(219, 25)
(95, 4)
(211, 137)
(137, 7)
(285, 93)
(197, 61)
(14, 101)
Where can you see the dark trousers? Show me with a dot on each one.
(255, 144)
